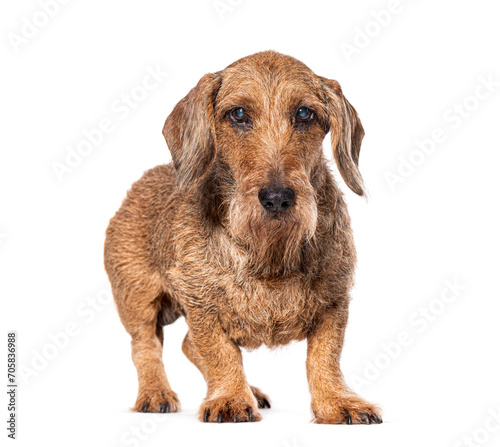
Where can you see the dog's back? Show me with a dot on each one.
(138, 244)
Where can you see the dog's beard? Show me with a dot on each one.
(274, 242)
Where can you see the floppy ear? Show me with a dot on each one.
(190, 131)
(346, 134)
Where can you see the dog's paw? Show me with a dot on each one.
(229, 409)
(350, 410)
(157, 401)
(263, 400)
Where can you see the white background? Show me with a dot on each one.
(438, 225)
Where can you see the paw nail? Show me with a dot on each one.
(348, 419)
(376, 419)
(219, 420)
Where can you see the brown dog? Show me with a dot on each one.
(246, 235)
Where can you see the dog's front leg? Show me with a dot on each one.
(229, 397)
(332, 400)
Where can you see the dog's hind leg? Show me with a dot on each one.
(263, 400)
(139, 312)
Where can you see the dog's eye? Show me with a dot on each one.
(304, 114)
(239, 115)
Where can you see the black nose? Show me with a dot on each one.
(276, 199)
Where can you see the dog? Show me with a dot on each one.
(246, 235)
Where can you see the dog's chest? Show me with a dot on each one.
(255, 312)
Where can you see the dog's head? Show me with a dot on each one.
(256, 128)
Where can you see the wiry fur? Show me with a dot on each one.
(191, 239)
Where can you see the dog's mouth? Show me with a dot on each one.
(278, 216)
